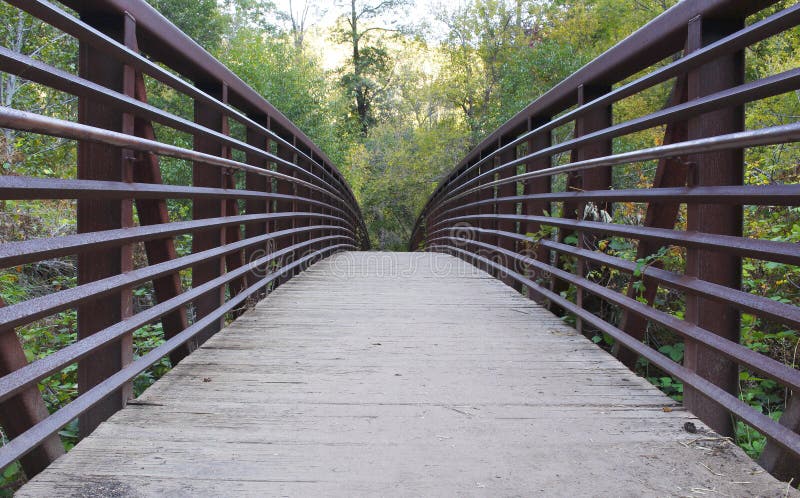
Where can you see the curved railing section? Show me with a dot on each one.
(542, 214)
(265, 202)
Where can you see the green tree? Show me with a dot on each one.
(368, 76)
(488, 40)
(27, 153)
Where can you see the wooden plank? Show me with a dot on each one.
(401, 374)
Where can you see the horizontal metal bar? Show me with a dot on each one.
(786, 314)
(17, 253)
(647, 46)
(56, 17)
(761, 30)
(36, 123)
(752, 138)
(746, 195)
(765, 365)
(39, 72)
(30, 188)
(31, 438)
(18, 314)
(16, 381)
(781, 252)
(773, 430)
(764, 307)
(27, 121)
(755, 90)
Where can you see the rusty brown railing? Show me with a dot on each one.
(254, 222)
(513, 209)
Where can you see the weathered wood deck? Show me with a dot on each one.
(401, 374)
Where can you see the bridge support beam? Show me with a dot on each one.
(718, 168)
(233, 233)
(477, 196)
(103, 162)
(147, 169)
(306, 165)
(598, 178)
(205, 175)
(486, 194)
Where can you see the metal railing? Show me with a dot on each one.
(254, 222)
(517, 208)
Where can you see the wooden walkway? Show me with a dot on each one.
(405, 374)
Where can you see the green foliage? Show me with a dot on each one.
(202, 20)
(488, 55)
(394, 172)
(294, 82)
(29, 153)
(671, 387)
(365, 79)
(11, 478)
(145, 339)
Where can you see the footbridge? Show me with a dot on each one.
(503, 354)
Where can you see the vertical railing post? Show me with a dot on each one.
(332, 202)
(296, 191)
(313, 194)
(486, 193)
(233, 233)
(305, 207)
(594, 178)
(257, 183)
(103, 162)
(533, 186)
(285, 187)
(506, 190)
(206, 175)
(778, 461)
(336, 203)
(718, 168)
